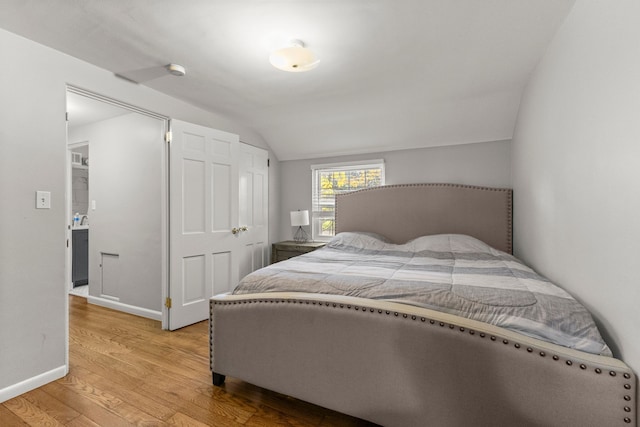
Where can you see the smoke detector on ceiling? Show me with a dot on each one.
(176, 70)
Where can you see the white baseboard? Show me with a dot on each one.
(32, 383)
(131, 309)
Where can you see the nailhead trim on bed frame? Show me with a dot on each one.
(626, 385)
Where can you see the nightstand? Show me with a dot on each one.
(289, 248)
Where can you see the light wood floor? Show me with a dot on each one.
(124, 370)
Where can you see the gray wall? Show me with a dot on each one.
(126, 183)
(33, 298)
(32, 242)
(79, 191)
(484, 164)
(576, 167)
(80, 184)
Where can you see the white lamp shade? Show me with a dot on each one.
(299, 218)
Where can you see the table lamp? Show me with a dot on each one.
(299, 219)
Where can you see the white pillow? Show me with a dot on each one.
(358, 239)
(449, 242)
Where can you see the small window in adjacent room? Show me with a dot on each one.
(331, 179)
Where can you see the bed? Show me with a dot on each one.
(412, 362)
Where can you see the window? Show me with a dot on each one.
(331, 179)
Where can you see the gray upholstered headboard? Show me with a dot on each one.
(404, 212)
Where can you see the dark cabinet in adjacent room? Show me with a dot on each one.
(80, 257)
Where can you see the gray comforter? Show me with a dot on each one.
(451, 273)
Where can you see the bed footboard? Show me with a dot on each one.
(398, 365)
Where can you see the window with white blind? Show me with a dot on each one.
(331, 179)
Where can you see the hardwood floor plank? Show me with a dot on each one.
(95, 340)
(185, 399)
(30, 413)
(125, 374)
(124, 370)
(168, 366)
(182, 420)
(129, 394)
(82, 387)
(82, 421)
(91, 407)
(54, 407)
(9, 419)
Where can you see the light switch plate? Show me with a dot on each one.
(43, 200)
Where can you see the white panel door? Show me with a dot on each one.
(203, 198)
(253, 209)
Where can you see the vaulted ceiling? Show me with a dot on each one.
(393, 74)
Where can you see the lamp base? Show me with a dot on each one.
(301, 236)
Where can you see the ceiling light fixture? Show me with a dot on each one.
(294, 58)
(176, 70)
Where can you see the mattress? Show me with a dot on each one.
(452, 273)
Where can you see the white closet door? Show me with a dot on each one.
(203, 193)
(253, 208)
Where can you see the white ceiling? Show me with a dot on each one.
(394, 74)
(83, 111)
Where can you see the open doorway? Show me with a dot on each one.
(79, 212)
(116, 184)
(219, 185)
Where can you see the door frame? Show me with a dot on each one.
(164, 196)
(69, 206)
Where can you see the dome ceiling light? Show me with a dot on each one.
(294, 58)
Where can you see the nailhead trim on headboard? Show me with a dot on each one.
(508, 201)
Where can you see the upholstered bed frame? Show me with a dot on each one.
(399, 365)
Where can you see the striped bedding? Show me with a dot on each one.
(455, 274)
